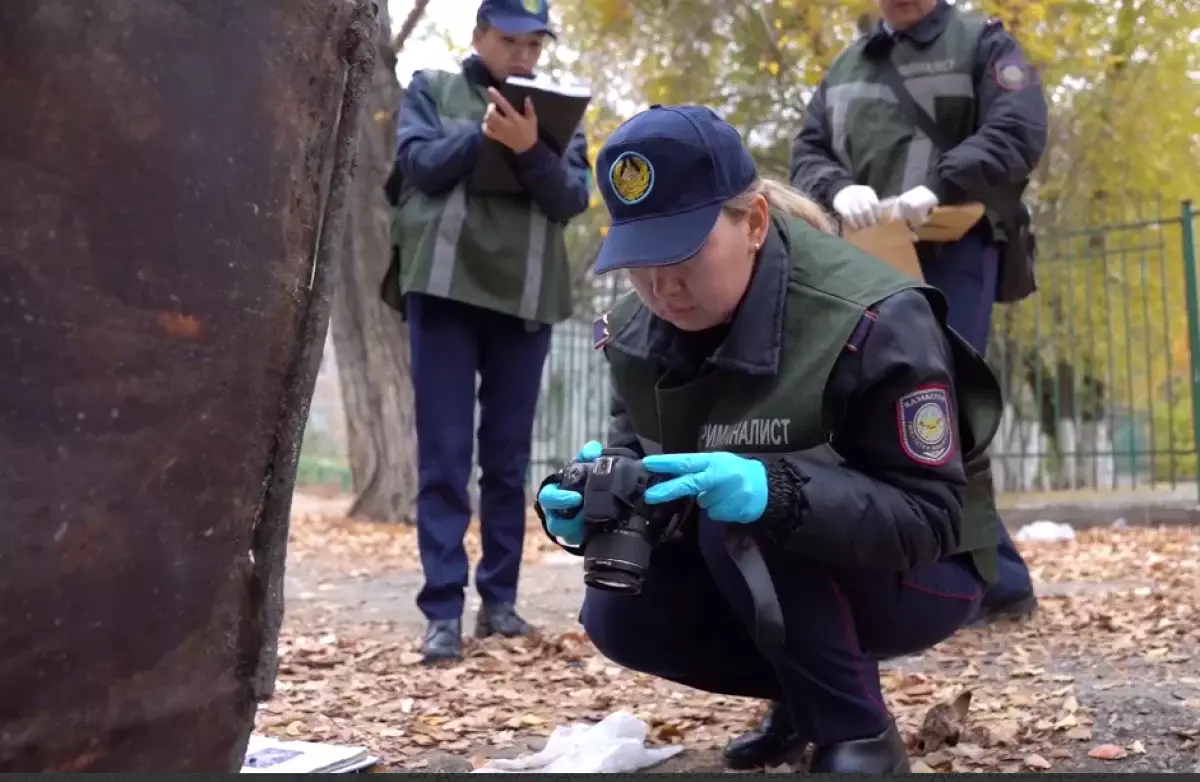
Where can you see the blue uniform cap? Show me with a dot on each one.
(515, 17)
(664, 175)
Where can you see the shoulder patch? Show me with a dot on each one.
(923, 418)
(600, 332)
(1012, 73)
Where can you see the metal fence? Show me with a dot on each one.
(573, 406)
(1099, 367)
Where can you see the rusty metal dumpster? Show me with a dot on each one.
(172, 178)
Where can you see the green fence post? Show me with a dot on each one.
(1187, 232)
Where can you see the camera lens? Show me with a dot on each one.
(616, 561)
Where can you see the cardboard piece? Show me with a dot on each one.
(891, 241)
(950, 223)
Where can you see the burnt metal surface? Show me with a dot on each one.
(170, 174)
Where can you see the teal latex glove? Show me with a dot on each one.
(552, 499)
(729, 487)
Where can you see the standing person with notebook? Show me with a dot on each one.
(938, 107)
(483, 279)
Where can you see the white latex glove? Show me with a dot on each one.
(916, 205)
(857, 206)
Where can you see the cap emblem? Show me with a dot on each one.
(532, 6)
(631, 177)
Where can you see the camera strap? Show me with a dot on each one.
(919, 117)
(769, 630)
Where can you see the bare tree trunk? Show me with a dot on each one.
(370, 340)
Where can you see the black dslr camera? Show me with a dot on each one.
(619, 529)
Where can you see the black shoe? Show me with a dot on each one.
(1020, 608)
(884, 754)
(773, 743)
(443, 641)
(500, 619)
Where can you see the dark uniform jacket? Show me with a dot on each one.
(500, 252)
(827, 389)
(998, 146)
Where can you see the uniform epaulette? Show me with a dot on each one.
(600, 332)
(615, 319)
(859, 335)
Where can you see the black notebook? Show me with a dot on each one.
(559, 110)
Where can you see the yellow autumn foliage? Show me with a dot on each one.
(1122, 156)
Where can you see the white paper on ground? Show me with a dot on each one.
(1045, 532)
(616, 744)
(266, 755)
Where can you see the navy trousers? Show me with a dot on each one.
(693, 623)
(452, 345)
(966, 272)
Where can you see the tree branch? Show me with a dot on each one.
(410, 24)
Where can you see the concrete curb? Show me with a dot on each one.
(1101, 513)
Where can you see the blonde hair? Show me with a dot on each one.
(782, 198)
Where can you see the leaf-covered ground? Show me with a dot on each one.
(1106, 677)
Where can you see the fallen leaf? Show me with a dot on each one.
(971, 751)
(348, 673)
(1137, 748)
(1001, 733)
(1107, 752)
(939, 758)
(668, 732)
(1037, 761)
(943, 724)
(1066, 721)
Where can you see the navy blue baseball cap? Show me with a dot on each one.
(664, 176)
(515, 17)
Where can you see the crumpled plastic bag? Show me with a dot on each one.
(616, 744)
(1044, 532)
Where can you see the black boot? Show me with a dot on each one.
(443, 641)
(1020, 608)
(884, 754)
(772, 743)
(500, 619)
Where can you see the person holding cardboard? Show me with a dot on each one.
(483, 278)
(936, 107)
